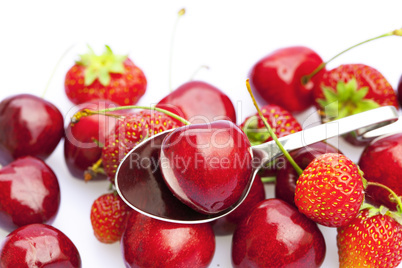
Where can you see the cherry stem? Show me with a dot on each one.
(306, 78)
(96, 168)
(394, 195)
(87, 112)
(272, 133)
(180, 14)
(197, 71)
(54, 70)
(268, 179)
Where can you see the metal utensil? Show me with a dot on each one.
(141, 185)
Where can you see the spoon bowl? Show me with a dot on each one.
(140, 182)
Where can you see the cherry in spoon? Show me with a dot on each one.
(141, 184)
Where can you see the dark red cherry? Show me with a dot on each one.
(29, 193)
(38, 245)
(286, 175)
(227, 224)
(199, 102)
(381, 161)
(278, 77)
(29, 126)
(84, 139)
(208, 166)
(148, 242)
(275, 234)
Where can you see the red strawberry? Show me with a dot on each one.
(109, 215)
(107, 76)
(330, 190)
(281, 121)
(129, 132)
(350, 89)
(370, 241)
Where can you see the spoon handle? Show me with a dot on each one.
(361, 123)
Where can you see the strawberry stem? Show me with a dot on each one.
(272, 133)
(55, 69)
(87, 112)
(306, 78)
(180, 14)
(394, 195)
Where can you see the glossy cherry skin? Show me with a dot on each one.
(208, 166)
(38, 245)
(277, 78)
(199, 102)
(148, 242)
(227, 224)
(29, 126)
(381, 161)
(83, 139)
(275, 234)
(29, 193)
(286, 175)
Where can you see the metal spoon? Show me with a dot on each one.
(141, 185)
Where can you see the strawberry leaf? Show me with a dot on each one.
(329, 94)
(90, 76)
(347, 99)
(365, 105)
(360, 94)
(101, 66)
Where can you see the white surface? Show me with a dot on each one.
(228, 37)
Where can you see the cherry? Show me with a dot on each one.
(29, 126)
(148, 242)
(199, 102)
(29, 193)
(275, 234)
(286, 175)
(227, 224)
(279, 77)
(38, 245)
(84, 139)
(208, 166)
(381, 161)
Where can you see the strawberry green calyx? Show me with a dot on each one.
(101, 66)
(346, 100)
(255, 135)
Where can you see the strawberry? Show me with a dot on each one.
(350, 89)
(330, 190)
(107, 76)
(282, 122)
(109, 215)
(370, 240)
(129, 132)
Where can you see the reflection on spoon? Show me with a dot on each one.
(141, 184)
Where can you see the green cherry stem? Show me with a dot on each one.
(180, 14)
(272, 133)
(394, 195)
(306, 78)
(87, 112)
(54, 70)
(198, 70)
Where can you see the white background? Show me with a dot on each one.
(227, 36)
